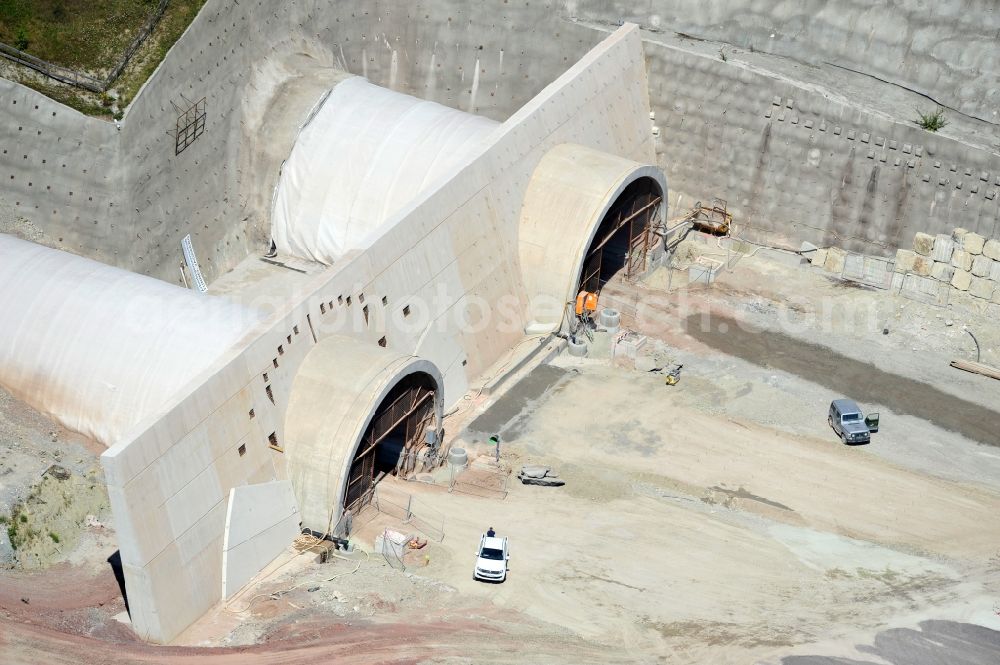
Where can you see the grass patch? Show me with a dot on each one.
(179, 15)
(932, 121)
(90, 36)
(54, 537)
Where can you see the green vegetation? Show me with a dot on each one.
(87, 35)
(931, 121)
(91, 37)
(175, 21)
(54, 537)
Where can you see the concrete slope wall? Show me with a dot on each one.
(795, 162)
(60, 178)
(945, 49)
(444, 259)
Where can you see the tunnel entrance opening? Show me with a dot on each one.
(624, 236)
(393, 437)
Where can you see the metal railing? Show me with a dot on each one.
(410, 510)
(79, 79)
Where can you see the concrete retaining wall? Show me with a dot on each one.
(946, 49)
(797, 165)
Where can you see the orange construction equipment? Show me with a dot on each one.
(586, 302)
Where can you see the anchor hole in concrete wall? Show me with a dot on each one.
(270, 393)
(242, 449)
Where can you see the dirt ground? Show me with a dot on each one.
(716, 521)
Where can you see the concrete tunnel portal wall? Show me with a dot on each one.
(574, 193)
(347, 390)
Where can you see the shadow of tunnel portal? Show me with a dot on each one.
(860, 381)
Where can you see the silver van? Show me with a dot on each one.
(850, 423)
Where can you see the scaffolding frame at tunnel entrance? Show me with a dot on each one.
(412, 409)
(638, 216)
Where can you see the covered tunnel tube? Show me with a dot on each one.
(361, 158)
(99, 348)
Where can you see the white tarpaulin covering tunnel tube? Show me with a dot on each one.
(364, 155)
(99, 348)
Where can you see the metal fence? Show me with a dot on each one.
(79, 79)
(491, 483)
(392, 551)
(410, 510)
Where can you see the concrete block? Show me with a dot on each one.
(958, 235)
(961, 259)
(982, 266)
(819, 258)
(995, 272)
(962, 280)
(973, 243)
(923, 265)
(905, 260)
(996, 298)
(262, 521)
(835, 258)
(943, 272)
(944, 247)
(923, 244)
(982, 288)
(992, 249)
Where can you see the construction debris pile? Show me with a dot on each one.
(531, 474)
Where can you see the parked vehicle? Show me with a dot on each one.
(491, 559)
(850, 424)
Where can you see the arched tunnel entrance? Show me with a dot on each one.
(623, 239)
(356, 413)
(393, 438)
(587, 216)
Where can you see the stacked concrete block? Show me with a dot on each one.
(982, 266)
(958, 235)
(973, 243)
(835, 259)
(943, 272)
(961, 259)
(995, 272)
(991, 249)
(944, 247)
(905, 260)
(923, 266)
(923, 244)
(962, 280)
(818, 258)
(982, 288)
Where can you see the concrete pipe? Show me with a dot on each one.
(611, 319)
(458, 457)
(578, 349)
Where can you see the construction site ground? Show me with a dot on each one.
(716, 521)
